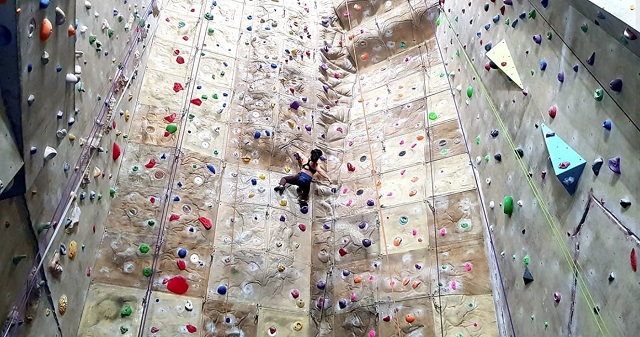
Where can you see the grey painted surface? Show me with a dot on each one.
(600, 246)
(11, 160)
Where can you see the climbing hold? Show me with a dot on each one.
(616, 85)
(49, 153)
(567, 163)
(553, 110)
(61, 17)
(44, 4)
(527, 277)
(629, 34)
(544, 3)
(46, 29)
(612, 277)
(496, 19)
(205, 222)
(507, 205)
(632, 259)
(607, 124)
(116, 151)
(73, 248)
(557, 297)
(543, 65)
(177, 285)
(598, 95)
(126, 311)
(614, 165)
(520, 152)
(561, 77)
(537, 39)
(625, 203)
(171, 128)
(597, 164)
(144, 248)
(497, 157)
(147, 271)
(71, 78)
(62, 304)
(16, 259)
(592, 59)
(576, 68)
(191, 328)
(469, 91)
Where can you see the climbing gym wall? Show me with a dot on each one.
(80, 66)
(546, 94)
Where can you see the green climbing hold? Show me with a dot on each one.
(438, 21)
(135, 169)
(403, 44)
(192, 116)
(478, 137)
(222, 73)
(507, 21)
(549, 35)
(204, 97)
(144, 248)
(464, 225)
(526, 260)
(486, 158)
(83, 247)
(141, 22)
(99, 196)
(584, 27)
(533, 317)
(433, 116)
(209, 17)
(507, 204)
(120, 18)
(210, 31)
(459, 335)
(151, 223)
(111, 32)
(181, 24)
(444, 151)
(146, 271)
(533, 72)
(469, 91)
(455, 19)
(112, 192)
(126, 311)
(598, 94)
(458, 53)
(16, 259)
(533, 14)
(442, 75)
(43, 226)
(171, 128)
(123, 330)
(215, 152)
(194, 166)
(215, 96)
(92, 39)
(546, 325)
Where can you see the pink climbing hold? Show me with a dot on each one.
(191, 328)
(178, 285)
(634, 262)
(372, 333)
(151, 164)
(454, 285)
(116, 151)
(467, 266)
(196, 101)
(174, 217)
(443, 232)
(302, 227)
(177, 87)
(295, 293)
(153, 328)
(564, 165)
(205, 222)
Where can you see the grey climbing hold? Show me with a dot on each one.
(44, 58)
(31, 99)
(527, 277)
(61, 133)
(49, 153)
(61, 17)
(597, 164)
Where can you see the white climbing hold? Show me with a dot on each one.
(44, 58)
(83, 29)
(31, 99)
(71, 78)
(49, 153)
(488, 181)
(459, 87)
(503, 254)
(87, 4)
(492, 204)
(61, 133)
(77, 70)
(520, 203)
(478, 160)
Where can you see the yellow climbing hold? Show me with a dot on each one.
(291, 124)
(127, 115)
(62, 304)
(287, 170)
(297, 326)
(246, 159)
(251, 195)
(262, 176)
(283, 202)
(73, 248)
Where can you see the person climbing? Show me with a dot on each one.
(304, 177)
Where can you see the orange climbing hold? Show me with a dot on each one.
(397, 242)
(410, 318)
(634, 262)
(357, 279)
(46, 29)
(364, 56)
(420, 137)
(71, 31)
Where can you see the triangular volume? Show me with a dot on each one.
(567, 164)
(501, 56)
(527, 277)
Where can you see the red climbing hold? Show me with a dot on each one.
(153, 328)
(151, 164)
(196, 101)
(487, 66)
(504, 64)
(181, 265)
(178, 285)
(342, 252)
(205, 222)
(113, 124)
(191, 328)
(186, 38)
(180, 60)
(302, 227)
(292, 90)
(170, 118)
(153, 200)
(350, 167)
(94, 229)
(174, 217)
(553, 111)
(634, 263)
(177, 87)
(502, 9)
(116, 151)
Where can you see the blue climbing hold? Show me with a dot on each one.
(576, 68)
(601, 16)
(29, 67)
(176, 198)
(487, 26)
(568, 165)
(479, 34)
(254, 181)
(44, 4)
(182, 253)
(58, 68)
(274, 66)
(487, 46)
(222, 289)
(543, 64)
(249, 17)
(514, 23)
(592, 59)
(267, 132)
(211, 168)
(496, 19)
(607, 124)
(257, 135)
(249, 28)
(544, 3)
(522, 15)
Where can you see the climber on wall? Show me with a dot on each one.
(309, 167)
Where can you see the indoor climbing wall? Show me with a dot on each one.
(545, 91)
(80, 64)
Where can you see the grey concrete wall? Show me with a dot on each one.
(573, 243)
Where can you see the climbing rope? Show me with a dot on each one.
(175, 164)
(541, 202)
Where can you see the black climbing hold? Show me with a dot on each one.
(550, 134)
(527, 277)
(596, 310)
(625, 203)
(612, 277)
(493, 65)
(334, 190)
(498, 157)
(520, 152)
(592, 59)
(359, 192)
(402, 153)
(363, 159)
(597, 164)
(494, 133)
(486, 7)
(442, 143)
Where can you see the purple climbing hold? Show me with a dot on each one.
(304, 209)
(561, 77)
(324, 67)
(366, 242)
(544, 3)
(543, 64)
(508, 2)
(294, 105)
(362, 225)
(321, 284)
(537, 39)
(592, 59)
(307, 127)
(282, 218)
(630, 35)
(325, 88)
(370, 203)
(522, 15)
(346, 272)
(614, 165)
(616, 85)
